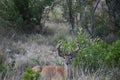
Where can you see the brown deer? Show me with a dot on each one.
(57, 72)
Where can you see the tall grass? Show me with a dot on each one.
(96, 60)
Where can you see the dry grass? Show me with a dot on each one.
(28, 50)
(36, 49)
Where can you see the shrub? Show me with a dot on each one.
(93, 54)
(112, 57)
(23, 15)
(29, 74)
(60, 36)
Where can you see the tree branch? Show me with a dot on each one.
(85, 18)
(92, 18)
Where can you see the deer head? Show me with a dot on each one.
(67, 57)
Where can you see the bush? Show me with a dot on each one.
(29, 74)
(59, 36)
(23, 15)
(112, 57)
(93, 54)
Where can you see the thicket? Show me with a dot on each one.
(23, 15)
(93, 54)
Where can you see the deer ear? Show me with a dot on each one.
(60, 53)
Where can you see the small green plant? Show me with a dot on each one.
(3, 68)
(60, 36)
(29, 74)
(10, 66)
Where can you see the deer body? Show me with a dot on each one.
(56, 72)
(52, 72)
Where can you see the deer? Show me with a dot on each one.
(57, 72)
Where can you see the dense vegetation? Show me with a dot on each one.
(94, 54)
(23, 15)
(95, 25)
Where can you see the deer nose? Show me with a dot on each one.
(67, 63)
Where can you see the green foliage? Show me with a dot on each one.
(60, 36)
(6, 67)
(82, 38)
(23, 15)
(93, 54)
(101, 24)
(68, 46)
(113, 54)
(1, 63)
(29, 74)
(3, 69)
(54, 14)
(10, 66)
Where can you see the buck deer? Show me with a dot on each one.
(57, 72)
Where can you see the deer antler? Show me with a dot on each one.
(60, 53)
(74, 53)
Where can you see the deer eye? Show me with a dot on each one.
(63, 57)
(70, 57)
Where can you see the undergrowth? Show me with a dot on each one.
(29, 74)
(93, 54)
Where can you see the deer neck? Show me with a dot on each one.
(67, 68)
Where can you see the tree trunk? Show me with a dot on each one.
(71, 15)
(92, 18)
(85, 24)
(114, 14)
